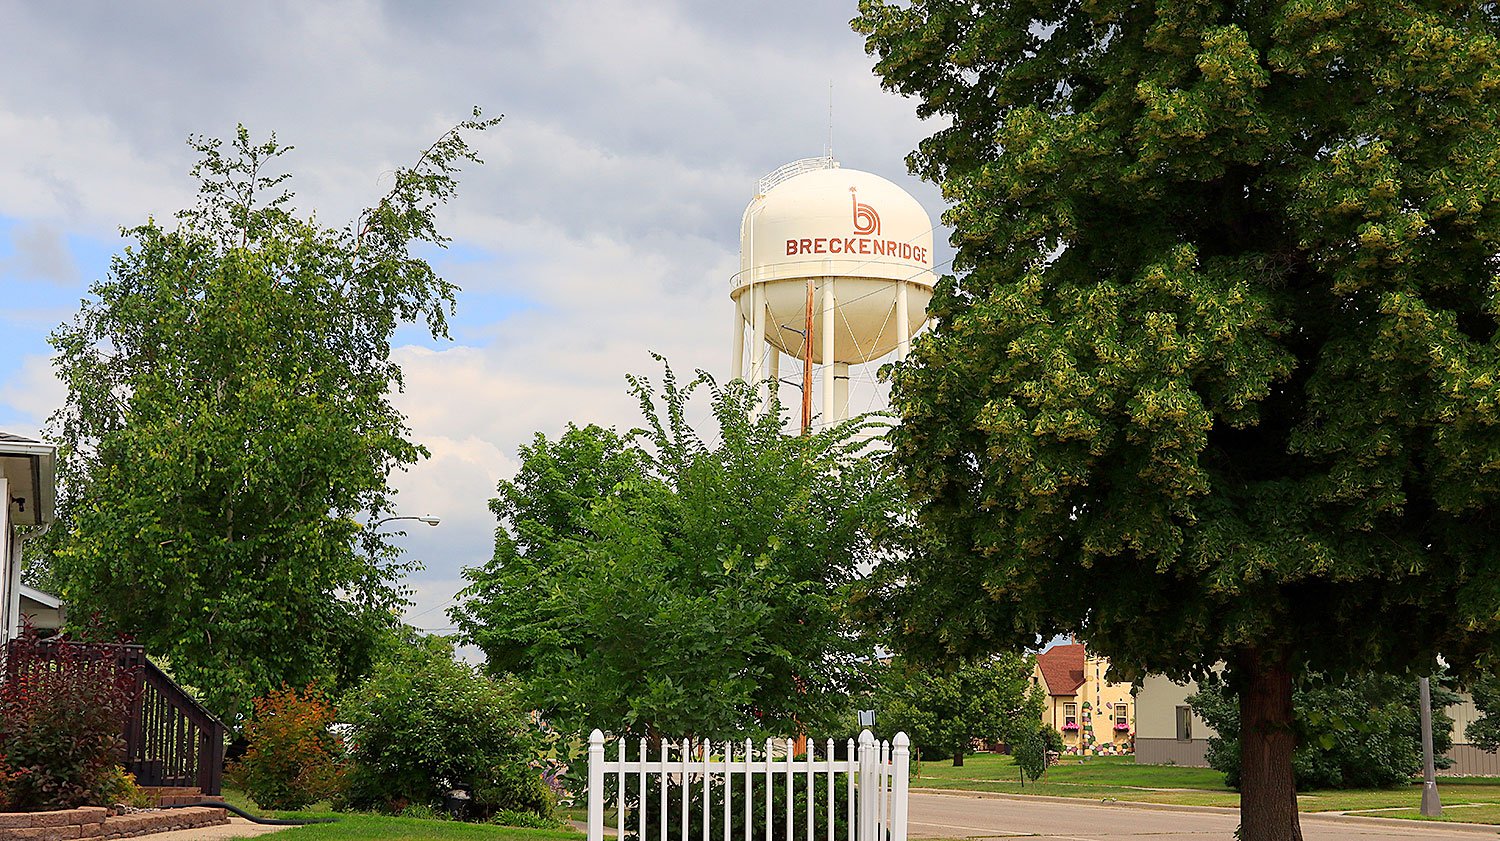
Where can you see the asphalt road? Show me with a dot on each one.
(967, 816)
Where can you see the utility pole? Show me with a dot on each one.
(1431, 805)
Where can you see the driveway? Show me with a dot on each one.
(1048, 818)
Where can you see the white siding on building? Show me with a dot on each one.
(1156, 741)
(1156, 725)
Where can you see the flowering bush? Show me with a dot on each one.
(292, 759)
(63, 707)
(553, 764)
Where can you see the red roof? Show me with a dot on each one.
(1062, 668)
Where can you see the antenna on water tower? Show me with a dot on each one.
(847, 244)
(830, 119)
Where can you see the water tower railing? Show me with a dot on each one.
(793, 169)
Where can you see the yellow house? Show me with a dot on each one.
(1095, 716)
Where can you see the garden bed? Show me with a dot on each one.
(97, 822)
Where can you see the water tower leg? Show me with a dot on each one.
(830, 304)
(738, 368)
(840, 391)
(775, 374)
(903, 322)
(758, 332)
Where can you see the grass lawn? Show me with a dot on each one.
(382, 828)
(1472, 799)
(1467, 814)
(415, 829)
(1101, 778)
(1109, 770)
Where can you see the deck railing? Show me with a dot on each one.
(170, 739)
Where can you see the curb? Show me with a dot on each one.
(1085, 801)
(1331, 817)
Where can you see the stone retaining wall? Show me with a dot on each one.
(96, 822)
(172, 795)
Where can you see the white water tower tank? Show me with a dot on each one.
(864, 247)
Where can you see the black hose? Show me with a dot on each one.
(252, 818)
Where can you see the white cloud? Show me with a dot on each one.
(78, 169)
(40, 253)
(33, 394)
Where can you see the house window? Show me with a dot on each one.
(1120, 715)
(1070, 715)
(1184, 724)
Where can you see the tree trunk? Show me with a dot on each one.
(958, 756)
(1268, 792)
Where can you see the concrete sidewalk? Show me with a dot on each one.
(236, 828)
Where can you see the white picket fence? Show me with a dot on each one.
(875, 783)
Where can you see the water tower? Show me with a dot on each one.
(835, 270)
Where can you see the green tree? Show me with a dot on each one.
(1030, 753)
(1359, 732)
(658, 584)
(1484, 731)
(945, 710)
(1216, 378)
(228, 423)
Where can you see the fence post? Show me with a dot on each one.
(596, 786)
(900, 766)
(868, 786)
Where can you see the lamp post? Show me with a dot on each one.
(375, 547)
(1431, 806)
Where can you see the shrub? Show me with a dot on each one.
(514, 788)
(291, 759)
(63, 708)
(1053, 739)
(1360, 732)
(424, 724)
(555, 759)
(422, 811)
(120, 789)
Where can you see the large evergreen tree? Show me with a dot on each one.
(1217, 376)
(228, 424)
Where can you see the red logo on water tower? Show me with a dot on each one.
(866, 220)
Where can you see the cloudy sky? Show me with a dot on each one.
(603, 225)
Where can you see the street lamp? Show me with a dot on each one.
(429, 519)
